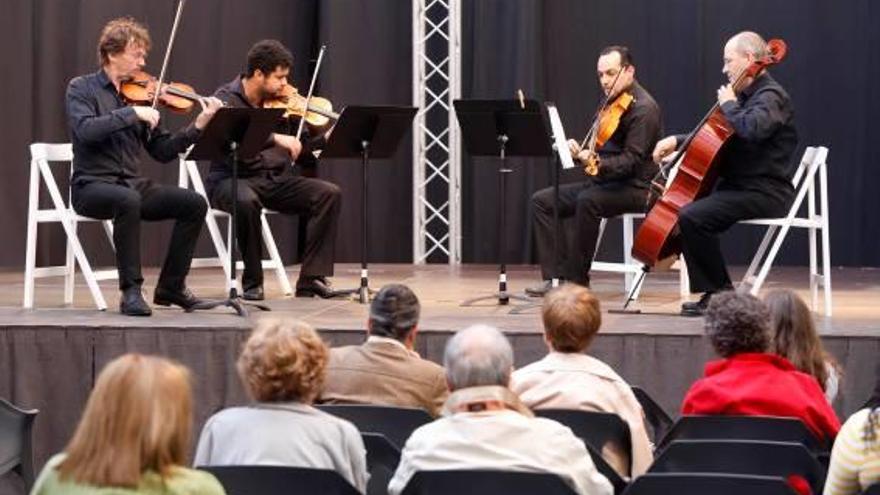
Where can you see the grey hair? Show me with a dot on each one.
(477, 356)
(394, 312)
(736, 323)
(749, 43)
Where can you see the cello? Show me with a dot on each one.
(658, 236)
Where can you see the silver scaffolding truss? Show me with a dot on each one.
(436, 150)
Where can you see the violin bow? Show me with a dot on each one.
(168, 52)
(302, 121)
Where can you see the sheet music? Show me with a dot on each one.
(559, 137)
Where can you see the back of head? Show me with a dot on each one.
(138, 418)
(283, 360)
(394, 312)
(794, 333)
(737, 323)
(572, 317)
(478, 356)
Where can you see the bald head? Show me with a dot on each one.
(478, 356)
(748, 43)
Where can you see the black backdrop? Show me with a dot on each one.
(547, 48)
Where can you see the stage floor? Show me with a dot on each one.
(441, 289)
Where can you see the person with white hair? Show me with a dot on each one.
(754, 167)
(485, 426)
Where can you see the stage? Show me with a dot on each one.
(50, 355)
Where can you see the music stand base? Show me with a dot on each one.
(503, 299)
(236, 303)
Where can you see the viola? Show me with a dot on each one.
(606, 125)
(317, 113)
(658, 236)
(141, 88)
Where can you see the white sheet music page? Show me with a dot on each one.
(559, 137)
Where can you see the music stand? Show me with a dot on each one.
(367, 132)
(234, 133)
(502, 128)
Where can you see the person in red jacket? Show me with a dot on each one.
(748, 380)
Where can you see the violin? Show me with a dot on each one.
(317, 113)
(604, 127)
(141, 88)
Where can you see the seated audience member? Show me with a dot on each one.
(133, 438)
(794, 337)
(485, 426)
(750, 381)
(566, 378)
(385, 369)
(282, 366)
(855, 458)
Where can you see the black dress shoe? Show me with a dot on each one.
(132, 303)
(182, 297)
(314, 286)
(253, 294)
(697, 308)
(539, 290)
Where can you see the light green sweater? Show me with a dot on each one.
(184, 481)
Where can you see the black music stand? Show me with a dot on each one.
(233, 133)
(367, 132)
(502, 128)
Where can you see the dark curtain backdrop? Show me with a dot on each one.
(547, 48)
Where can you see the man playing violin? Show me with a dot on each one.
(621, 184)
(754, 168)
(108, 138)
(268, 180)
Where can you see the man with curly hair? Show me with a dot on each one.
(749, 381)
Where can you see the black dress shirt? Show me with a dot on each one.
(107, 136)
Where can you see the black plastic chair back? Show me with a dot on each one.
(741, 457)
(596, 429)
(657, 418)
(382, 460)
(721, 427)
(396, 423)
(278, 480)
(707, 484)
(872, 490)
(607, 471)
(483, 482)
(16, 439)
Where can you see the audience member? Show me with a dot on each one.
(569, 379)
(794, 337)
(750, 381)
(855, 458)
(133, 437)
(282, 366)
(485, 426)
(386, 369)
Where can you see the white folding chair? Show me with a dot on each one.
(804, 181)
(41, 156)
(189, 175)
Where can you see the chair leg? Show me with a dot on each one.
(826, 238)
(31, 244)
(69, 270)
(277, 264)
(629, 277)
(749, 278)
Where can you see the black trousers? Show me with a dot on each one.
(316, 199)
(700, 223)
(129, 202)
(588, 202)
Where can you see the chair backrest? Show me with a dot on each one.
(872, 490)
(484, 482)
(274, 480)
(382, 460)
(703, 484)
(722, 427)
(16, 453)
(396, 423)
(657, 418)
(596, 429)
(741, 457)
(62, 152)
(606, 470)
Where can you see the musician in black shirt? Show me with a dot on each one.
(621, 185)
(754, 168)
(108, 138)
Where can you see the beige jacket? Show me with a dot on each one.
(581, 382)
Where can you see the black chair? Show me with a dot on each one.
(872, 490)
(707, 484)
(275, 480)
(396, 423)
(752, 457)
(596, 429)
(482, 482)
(16, 453)
(382, 460)
(720, 427)
(657, 419)
(607, 471)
